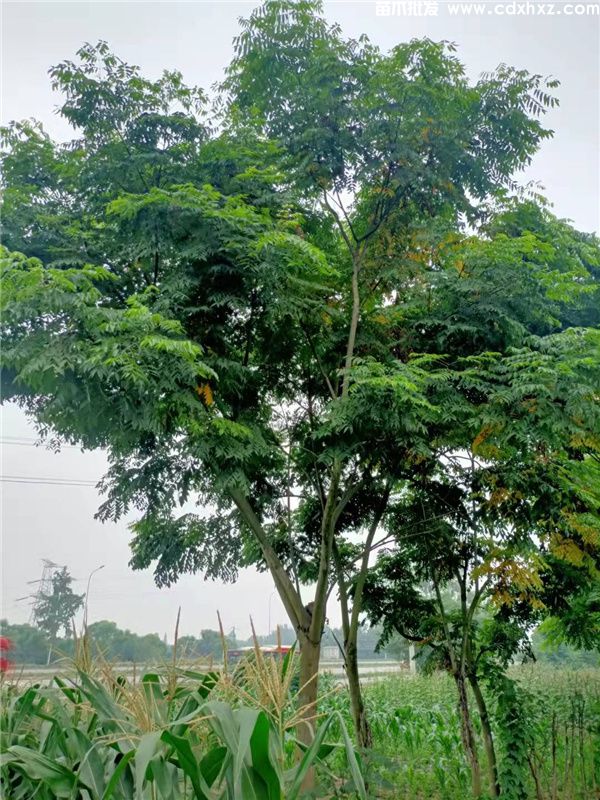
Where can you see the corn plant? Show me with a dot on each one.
(99, 738)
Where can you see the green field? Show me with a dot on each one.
(416, 726)
(102, 737)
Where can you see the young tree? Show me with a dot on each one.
(56, 609)
(233, 315)
(512, 526)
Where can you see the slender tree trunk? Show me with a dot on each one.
(350, 623)
(457, 661)
(303, 622)
(51, 648)
(364, 735)
(468, 734)
(310, 655)
(362, 729)
(488, 737)
(309, 626)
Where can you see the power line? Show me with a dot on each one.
(29, 442)
(49, 481)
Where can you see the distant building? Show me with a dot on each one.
(331, 652)
(270, 651)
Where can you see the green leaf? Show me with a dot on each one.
(144, 753)
(355, 771)
(245, 719)
(59, 779)
(212, 763)
(113, 783)
(187, 763)
(267, 758)
(91, 768)
(308, 760)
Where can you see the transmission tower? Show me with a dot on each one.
(44, 586)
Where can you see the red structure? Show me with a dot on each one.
(5, 646)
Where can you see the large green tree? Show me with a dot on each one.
(249, 309)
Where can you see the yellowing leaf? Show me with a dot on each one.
(567, 550)
(498, 496)
(205, 393)
(586, 526)
(481, 437)
(381, 319)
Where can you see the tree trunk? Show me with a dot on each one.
(364, 735)
(468, 734)
(350, 625)
(362, 729)
(310, 655)
(488, 737)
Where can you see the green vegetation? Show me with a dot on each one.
(180, 733)
(562, 655)
(54, 610)
(31, 645)
(416, 724)
(323, 309)
(113, 644)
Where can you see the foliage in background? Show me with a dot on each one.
(115, 644)
(561, 655)
(30, 644)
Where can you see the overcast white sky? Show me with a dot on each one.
(56, 522)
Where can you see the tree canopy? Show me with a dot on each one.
(298, 306)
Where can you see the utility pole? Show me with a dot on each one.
(87, 594)
(45, 587)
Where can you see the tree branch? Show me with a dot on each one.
(362, 574)
(289, 596)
